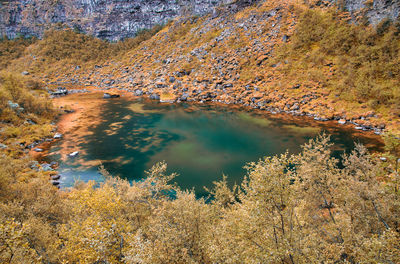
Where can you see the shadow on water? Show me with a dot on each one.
(199, 142)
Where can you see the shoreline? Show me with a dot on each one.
(86, 112)
(80, 111)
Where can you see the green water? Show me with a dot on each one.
(199, 142)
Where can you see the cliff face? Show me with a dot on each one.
(112, 20)
(375, 10)
(118, 19)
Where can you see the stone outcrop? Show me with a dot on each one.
(119, 19)
(112, 20)
(375, 10)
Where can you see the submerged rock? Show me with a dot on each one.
(73, 154)
(55, 183)
(108, 95)
(55, 177)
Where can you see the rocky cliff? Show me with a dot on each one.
(119, 19)
(112, 20)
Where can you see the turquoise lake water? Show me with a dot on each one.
(199, 142)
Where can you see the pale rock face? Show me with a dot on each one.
(112, 20)
(119, 19)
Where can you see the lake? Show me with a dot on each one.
(200, 142)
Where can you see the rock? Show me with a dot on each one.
(73, 154)
(383, 159)
(61, 91)
(184, 97)
(57, 136)
(295, 107)
(138, 92)
(30, 122)
(55, 177)
(154, 96)
(55, 183)
(358, 127)
(108, 95)
(13, 105)
(46, 167)
(2, 146)
(257, 95)
(34, 165)
(25, 73)
(171, 79)
(317, 118)
(38, 150)
(342, 121)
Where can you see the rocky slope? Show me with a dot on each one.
(118, 19)
(229, 57)
(246, 54)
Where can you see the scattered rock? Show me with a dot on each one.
(383, 159)
(25, 73)
(342, 121)
(38, 150)
(57, 136)
(2, 146)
